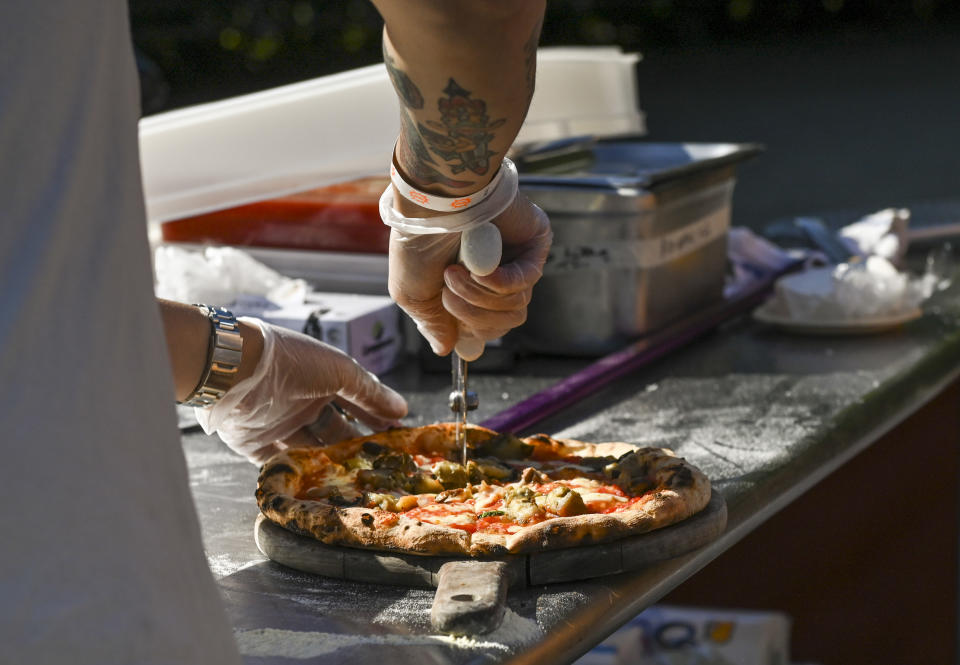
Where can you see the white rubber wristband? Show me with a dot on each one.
(495, 202)
(437, 202)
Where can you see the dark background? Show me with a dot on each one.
(856, 100)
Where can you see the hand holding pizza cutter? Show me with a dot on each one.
(480, 252)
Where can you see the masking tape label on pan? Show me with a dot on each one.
(640, 253)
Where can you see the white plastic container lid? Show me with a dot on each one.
(342, 127)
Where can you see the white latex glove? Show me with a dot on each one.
(446, 301)
(287, 400)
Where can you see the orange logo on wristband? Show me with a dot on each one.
(460, 203)
(418, 197)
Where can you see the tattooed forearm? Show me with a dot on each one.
(415, 158)
(409, 93)
(462, 137)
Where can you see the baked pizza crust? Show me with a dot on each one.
(680, 491)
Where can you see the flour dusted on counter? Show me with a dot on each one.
(304, 645)
(222, 565)
(514, 630)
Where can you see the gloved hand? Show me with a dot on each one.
(446, 301)
(287, 401)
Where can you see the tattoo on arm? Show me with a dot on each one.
(463, 134)
(461, 137)
(415, 156)
(408, 91)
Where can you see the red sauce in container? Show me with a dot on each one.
(344, 217)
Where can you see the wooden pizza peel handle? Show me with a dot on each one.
(471, 597)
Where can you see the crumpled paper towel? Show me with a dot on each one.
(218, 276)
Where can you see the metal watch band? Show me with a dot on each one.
(223, 363)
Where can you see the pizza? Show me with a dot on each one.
(405, 489)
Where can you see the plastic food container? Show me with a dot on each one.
(342, 218)
(342, 127)
(639, 241)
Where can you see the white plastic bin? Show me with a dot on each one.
(341, 127)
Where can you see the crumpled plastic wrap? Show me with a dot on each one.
(868, 289)
(869, 286)
(217, 275)
(860, 290)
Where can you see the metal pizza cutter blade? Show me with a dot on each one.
(461, 401)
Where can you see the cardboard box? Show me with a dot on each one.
(669, 635)
(364, 326)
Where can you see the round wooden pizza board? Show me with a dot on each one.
(471, 593)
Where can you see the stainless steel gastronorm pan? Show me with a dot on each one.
(639, 240)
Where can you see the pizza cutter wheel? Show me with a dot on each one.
(471, 593)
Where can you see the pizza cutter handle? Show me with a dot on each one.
(471, 597)
(481, 249)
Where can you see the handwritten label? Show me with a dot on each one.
(641, 253)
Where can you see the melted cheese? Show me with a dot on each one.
(578, 483)
(487, 497)
(600, 500)
(456, 518)
(445, 514)
(345, 482)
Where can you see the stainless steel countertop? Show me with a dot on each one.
(766, 415)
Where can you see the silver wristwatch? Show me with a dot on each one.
(223, 358)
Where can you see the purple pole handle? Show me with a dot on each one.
(580, 385)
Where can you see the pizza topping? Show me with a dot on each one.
(395, 461)
(381, 501)
(331, 494)
(564, 501)
(455, 495)
(427, 461)
(424, 483)
(520, 504)
(601, 501)
(488, 468)
(315, 493)
(359, 462)
(491, 513)
(373, 479)
(503, 446)
(407, 502)
(450, 474)
(335, 485)
(457, 516)
(531, 475)
(487, 496)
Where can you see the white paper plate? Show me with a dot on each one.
(835, 327)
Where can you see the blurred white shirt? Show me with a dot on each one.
(101, 560)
